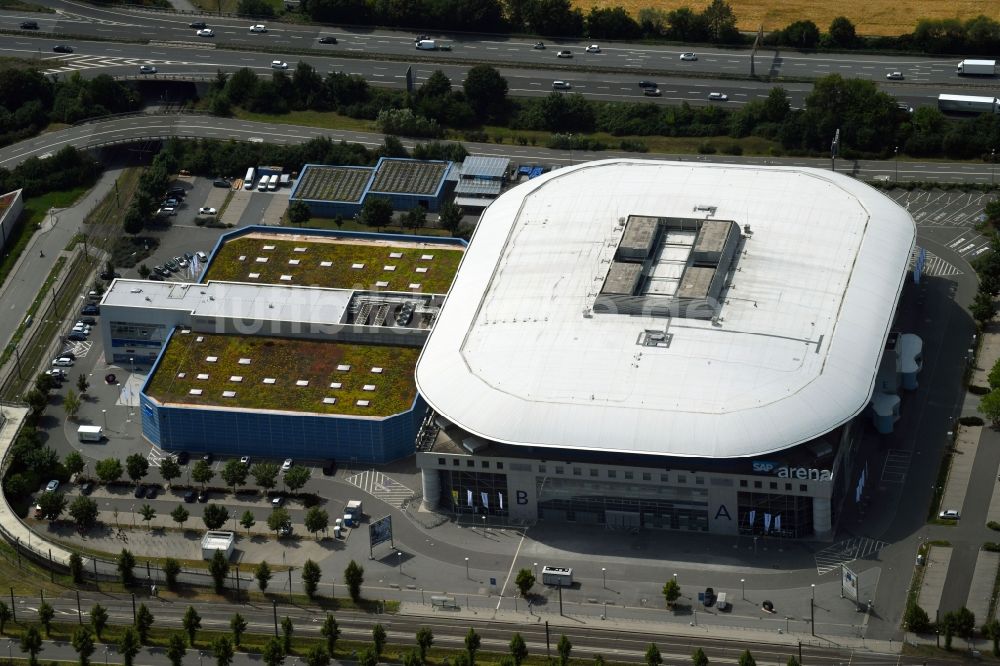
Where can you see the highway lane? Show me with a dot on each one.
(123, 59)
(73, 18)
(144, 127)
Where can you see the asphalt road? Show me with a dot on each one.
(74, 18)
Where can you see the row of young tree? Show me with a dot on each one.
(63, 170)
(32, 100)
(716, 23)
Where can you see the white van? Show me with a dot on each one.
(722, 603)
(248, 179)
(272, 183)
(262, 185)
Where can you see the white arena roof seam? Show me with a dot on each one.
(518, 356)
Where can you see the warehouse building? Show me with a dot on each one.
(668, 345)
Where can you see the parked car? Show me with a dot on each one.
(161, 271)
(593, 48)
(182, 458)
(86, 488)
(56, 373)
(166, 211)
(63, 362)
(207, 210)
(76, 336)
(52, 486)
(181, 262)
(564, 54)
(203, 496)
(287, 465)
(189, 497)
(171, 266)
(29, 25)
(949, 514)
(177, 192)
(206, 32)
(285, 530)
(718, 97)
(279, 64)
(147, 69)
(140, 491)
(202, 257)
(709, 597)
(62, 48)
(330, 468)
(151, 492)
(689, 56)
(221, 182)
(68, 354)
(258, 27)
(170, 201)
(89, 321)
(198, 24)
(156, 277)
(245, 460)
(208, 458)
(277, 501)
(894, 76)
(91, 310)
(327, 39)
(109, 276)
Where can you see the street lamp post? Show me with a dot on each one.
(993, 162)
(743, 588)
(484, 525)
(201, 657)
(604, 577)
(107, 651)
(105, 413)
(896, 157)
(399, 557)
(813, 591)
(467, 576)
(131, 361)
(534, 569)
(133, 516)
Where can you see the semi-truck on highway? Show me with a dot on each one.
(968, 104)
(976, 68)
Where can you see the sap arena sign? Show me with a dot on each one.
(784, 472)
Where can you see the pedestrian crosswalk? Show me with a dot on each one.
(156, 456)
(897, 462)
(934, 265)
(381, 487)
(842, 552)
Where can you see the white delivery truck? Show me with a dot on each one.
(90, 433)
(354, 510)
(558, 576)
(427, 45)
(248, 179)
(272, 183)
(976, 68)
(968, 104)
(262, 184)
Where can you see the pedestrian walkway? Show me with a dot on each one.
(935, 573)
(963, 461)
(234, 211)
(981, 590)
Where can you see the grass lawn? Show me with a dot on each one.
(309, 119)
(19, 6)
(287, 362)
(229, 6)
(870, 18)
(35, 208)
(342, 256)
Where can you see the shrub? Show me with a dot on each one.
(706, 148)
(970, 421)
(993, 525)
(978, 390)
(733, 149)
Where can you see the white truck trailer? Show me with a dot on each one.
(90, 433)
(968, 104)
(976, 68)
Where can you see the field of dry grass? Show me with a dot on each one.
(878, 18)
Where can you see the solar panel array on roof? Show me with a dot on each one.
(470, 186)
(483, 166)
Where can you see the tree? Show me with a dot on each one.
(792, 661)
(486, 91)
(369, 658)
(564, 647)
(31, 642)
(222, 650)
(746, 659)
(52, 504)
(176, 649)
(83, 643)
(84, 512)
(129, 645)
(248, 520)
(219, 568)
(425, 639)
(720, 21)
(126, 564)
(45, 614)
(202, 473)
(180, 515)
(311, 573)
(989, 405)
(215, 516)
(801, 34)
(450, 217)
(378, 638)
(144, 271)
(992, 631)
(74, 462)
(354, 576)
(962, 622)
(82, 384)
(983, 308)
(272, 654)
(699, 658)
(296, 477)
(148, 513)
(171, 569)
(238, 625)
(235, 473)
(278, 517)
(263, 575)
(518, 649)
(415, 218)
(143, 623)
(136, 466)
(524, 581)
(317, 656)
(330, 631)
(842, 32)
(317, 519)
(108, 470)
(71, 404)
(191, 623)
(75, 568)
(472, 644)
(286, 634)
(376, 212)
(169, 469)
(98, 619)
(265, 475)
(671, 592)
(298, 212)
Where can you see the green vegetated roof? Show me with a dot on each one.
(237, 259)
(188, 364)
(333, 183)
(404, 177)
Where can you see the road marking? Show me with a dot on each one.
(156, 456)
(381, 487)
(897, 463)
(832, 557)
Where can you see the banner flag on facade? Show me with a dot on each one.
(777, 523)
(500, 495)
(767, 522)
(468, 495)
(753, 516)
(486, 499)
(454, 496)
